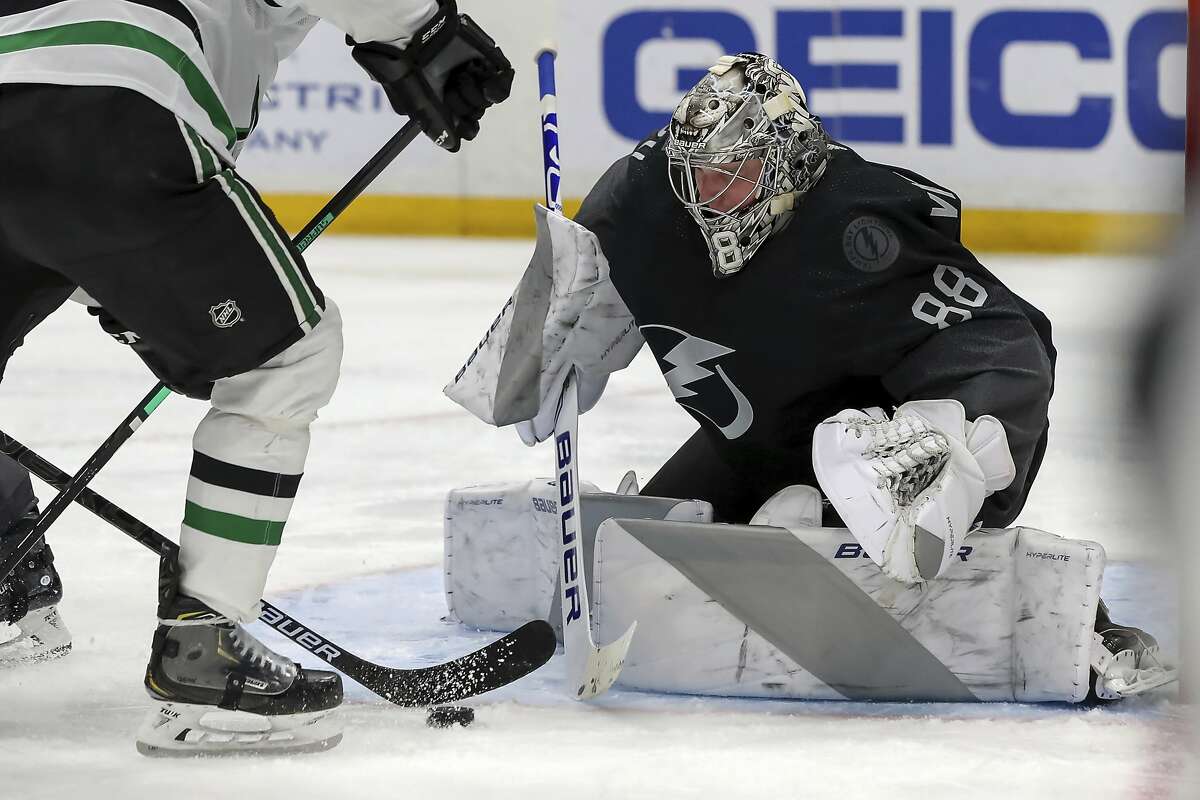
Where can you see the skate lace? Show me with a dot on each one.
(906, 454)
(259, 655)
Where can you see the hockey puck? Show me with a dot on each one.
(449, 716)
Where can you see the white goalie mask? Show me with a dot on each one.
(742, 150)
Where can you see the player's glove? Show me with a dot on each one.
(112, 327)
(444, 79)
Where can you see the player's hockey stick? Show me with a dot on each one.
(500, 663)
(12, 554)
(591, 670)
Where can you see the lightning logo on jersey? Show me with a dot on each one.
(685, 359)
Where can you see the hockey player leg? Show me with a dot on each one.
(250, 453)
(30, 627)
(29, 606)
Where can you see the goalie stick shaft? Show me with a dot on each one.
(549, 102)
(12, 554)
(591, 670)
(498, 664)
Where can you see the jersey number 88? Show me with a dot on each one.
(962, 289)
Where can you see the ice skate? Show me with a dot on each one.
(221, 691)
(1125, 661)
(33, 629)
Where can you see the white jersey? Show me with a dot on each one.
(208, 61)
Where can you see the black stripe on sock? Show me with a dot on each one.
(243, 479)
(173, 7)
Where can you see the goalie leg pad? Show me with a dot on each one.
(1011, 619)
(502, 546)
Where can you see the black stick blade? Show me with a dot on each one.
(500, 663)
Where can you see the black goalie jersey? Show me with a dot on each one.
(867, 298)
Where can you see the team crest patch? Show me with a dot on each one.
(870, 244)
(225, 315)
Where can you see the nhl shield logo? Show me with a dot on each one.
(225, 315)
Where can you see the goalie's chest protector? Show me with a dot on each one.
(807, 313)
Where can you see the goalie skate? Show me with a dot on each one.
(186, 729)
(1125, 661)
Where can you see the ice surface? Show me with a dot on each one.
(360, 561)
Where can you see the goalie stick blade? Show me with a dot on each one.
(505, 660)
(594, 675)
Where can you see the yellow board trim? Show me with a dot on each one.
(986, 230)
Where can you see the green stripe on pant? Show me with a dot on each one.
(232, 526)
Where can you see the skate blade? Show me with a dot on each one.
(175, 730)
(41, 636)
(1140, 681)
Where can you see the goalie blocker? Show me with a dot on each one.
(800, 611)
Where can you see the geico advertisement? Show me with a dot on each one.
(1014, 104)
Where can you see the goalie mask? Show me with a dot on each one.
(742, 150)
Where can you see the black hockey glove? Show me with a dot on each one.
(445, 79)
(112, 327)
(195, 388)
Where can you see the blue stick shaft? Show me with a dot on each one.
(550, 153)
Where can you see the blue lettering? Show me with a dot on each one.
(625, 37)
(570, 566)
(572, 596)
(937, 77)
(316, 139)
(562, 447)
(302, 90)
(343, 94)
(1083, 129)
(795, 31)
(568, 536)
(296, 140)
(1149, 37)
(848, 550)
(292, 140)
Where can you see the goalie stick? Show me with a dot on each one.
(498, 664)
(591, 669)
(12, 554)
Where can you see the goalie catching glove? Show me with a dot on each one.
(447, 76)
(910, 487)
(565, 314)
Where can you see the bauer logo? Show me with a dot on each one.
(572, 607)
(225, 315)
(298, 633)
(855, 550)
(483, 342)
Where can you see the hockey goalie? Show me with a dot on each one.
(872, 407)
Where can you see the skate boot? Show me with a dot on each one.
(1125, 661)
(221, 691)
(29, 621)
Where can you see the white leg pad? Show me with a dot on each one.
(502, 546)
(1010, 620)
